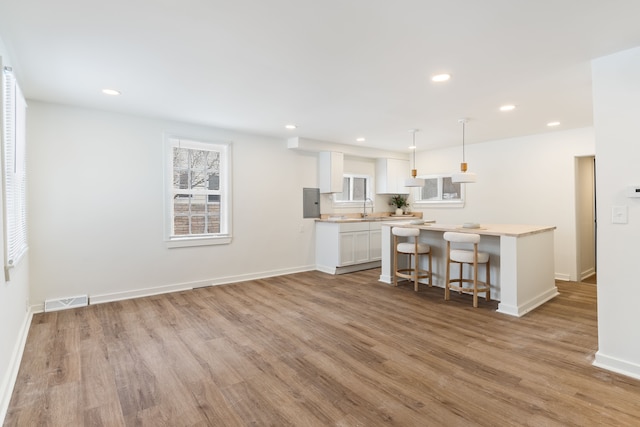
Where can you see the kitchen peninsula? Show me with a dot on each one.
(522, 261)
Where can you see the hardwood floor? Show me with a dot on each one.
(313, 349)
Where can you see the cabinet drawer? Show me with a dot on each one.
(354, 226)
(375, 226)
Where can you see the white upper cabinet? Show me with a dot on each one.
(330, 171)
(390, 176)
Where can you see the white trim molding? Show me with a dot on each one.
(9, 381)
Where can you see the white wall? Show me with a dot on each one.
(96, 207)
(526, 180)
(14, 315)
(616, 111)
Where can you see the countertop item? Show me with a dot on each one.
(470, 225)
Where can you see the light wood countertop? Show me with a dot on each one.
(357, 217)
(514, 230)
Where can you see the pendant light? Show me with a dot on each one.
(413, 181)
(463, 176)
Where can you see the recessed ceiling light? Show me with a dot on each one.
(111, 92)
(551, 124)
(291, 127)
(508, 107)
(440, 77)
(361, 139)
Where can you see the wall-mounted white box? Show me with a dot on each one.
(633, 191)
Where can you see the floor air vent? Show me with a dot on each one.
(65, 303)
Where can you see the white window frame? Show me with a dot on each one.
(14, 170)
(225, 235)
(351, 202)
(440, 201)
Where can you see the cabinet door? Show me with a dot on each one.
(361, 246)
(398, 171)
(330, 170)
(390, 175)
(347, 248)
(375, 245)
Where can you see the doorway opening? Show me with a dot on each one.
(586, 219)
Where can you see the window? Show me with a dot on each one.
(199, 197)
(355, 188)
(439, 190)
(14, 142)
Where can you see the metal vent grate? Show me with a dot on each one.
(65, 303)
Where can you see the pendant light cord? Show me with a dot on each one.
(463, 160)
(414, 149)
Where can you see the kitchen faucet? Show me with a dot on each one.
(364, 207)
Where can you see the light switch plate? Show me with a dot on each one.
(619, 215)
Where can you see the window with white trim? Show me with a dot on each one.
(440, 190)
(14, 173)
(199, 196)
(355, 188)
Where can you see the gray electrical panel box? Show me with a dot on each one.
(311, 203)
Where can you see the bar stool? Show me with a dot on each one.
(471, 257)
(414, 249)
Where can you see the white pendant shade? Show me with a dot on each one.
(414, 182)
(463, 177)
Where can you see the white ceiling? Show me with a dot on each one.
(339, 69)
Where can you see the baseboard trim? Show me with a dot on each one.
(522, 309)
(9, 382)
(616, 365)
(324, 269)
(385, 278)
(178, 287)
(586, 274)
(358, 267)
(138, 293)
(255, 276)
(349, 268)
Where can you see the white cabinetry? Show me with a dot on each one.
(390, 176)
(346, 247)
(354, 247)
(330, 171)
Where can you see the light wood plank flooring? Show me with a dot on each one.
(312, 349)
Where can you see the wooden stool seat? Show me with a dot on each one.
(414, 249)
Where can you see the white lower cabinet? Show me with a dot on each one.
(354, 247)
(345, 247)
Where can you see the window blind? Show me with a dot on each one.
(14, 174)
